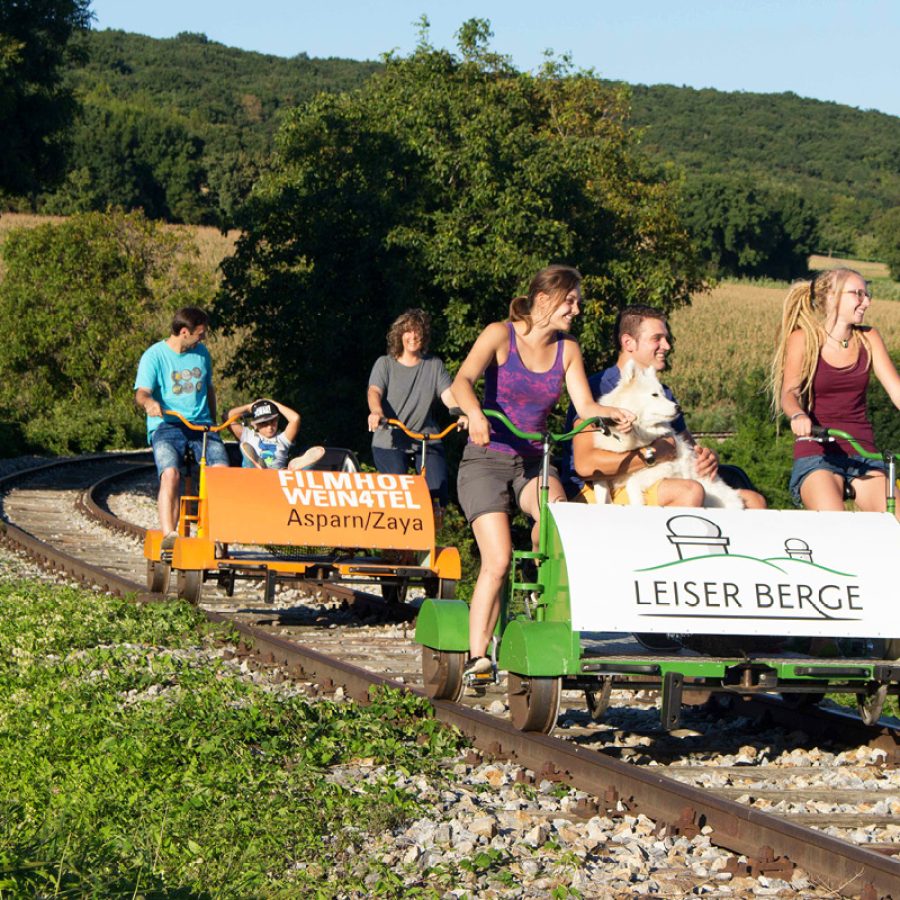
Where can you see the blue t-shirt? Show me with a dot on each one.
(601, 383)
(179, 381)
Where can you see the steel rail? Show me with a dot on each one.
(842, 867)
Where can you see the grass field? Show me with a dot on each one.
(726, 334)
(213, 246)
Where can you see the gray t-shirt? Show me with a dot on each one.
(407, 394)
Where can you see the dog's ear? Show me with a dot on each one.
(629, 370)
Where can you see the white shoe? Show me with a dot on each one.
(250, 453)
(305, 460)
(168, 542)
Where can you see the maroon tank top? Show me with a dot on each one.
(839, 401)
(525, 397)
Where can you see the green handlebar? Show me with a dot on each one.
(534, 436)
(866, 454)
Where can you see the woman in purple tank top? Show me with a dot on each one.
(525, 362)
(819, 377)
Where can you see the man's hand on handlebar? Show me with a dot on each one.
(152, 408)
(376, 421)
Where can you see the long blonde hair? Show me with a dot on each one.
(807, 307)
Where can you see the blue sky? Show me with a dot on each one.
(841, 50)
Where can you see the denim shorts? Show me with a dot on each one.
(848, 467)
(170, 440)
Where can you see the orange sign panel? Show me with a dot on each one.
(319, 509)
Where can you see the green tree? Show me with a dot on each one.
(887, 234)
(134, 158)
(444, 182)
(744, 230)
(80, 301)
(35, 108)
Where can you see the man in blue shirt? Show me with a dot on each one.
(642, 335)
(176, 374)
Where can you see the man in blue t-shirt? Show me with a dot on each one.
(176, 374)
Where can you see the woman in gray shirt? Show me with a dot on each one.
(404, 385)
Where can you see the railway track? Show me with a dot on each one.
(737, 777)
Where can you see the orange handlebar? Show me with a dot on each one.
(417, 436)
(193, 427)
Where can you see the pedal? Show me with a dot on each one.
(478, 682)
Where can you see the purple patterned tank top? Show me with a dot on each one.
(839, 401)
(524, 396)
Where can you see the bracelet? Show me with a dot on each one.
(796, 415)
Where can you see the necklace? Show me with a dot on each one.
(845, 344)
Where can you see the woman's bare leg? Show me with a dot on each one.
(530, 504)
(822, 490)
(495, 547)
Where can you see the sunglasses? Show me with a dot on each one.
(860, 293)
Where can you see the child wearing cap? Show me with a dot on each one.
(265, 447)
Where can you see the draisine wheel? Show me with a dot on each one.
(190, 585)
(440, 588)
(534, 702)
(157, 576)
(442, 673)
(394, 594)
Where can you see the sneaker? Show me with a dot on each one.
(168, 542)
(478, 665)
(659, 643)
(249, 452)
(305, 460)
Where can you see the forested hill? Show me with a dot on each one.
(845, 160)
(182, 126)
(208, 82)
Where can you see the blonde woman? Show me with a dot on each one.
(819, 377)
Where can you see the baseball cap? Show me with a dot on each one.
(263, 411)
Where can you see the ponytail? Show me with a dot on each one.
(556, 281)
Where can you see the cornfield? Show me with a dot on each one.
(729, 333)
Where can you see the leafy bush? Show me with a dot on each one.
(760, 447)
(80, 301)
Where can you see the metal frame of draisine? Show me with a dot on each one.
(536, 644)
(312, 525)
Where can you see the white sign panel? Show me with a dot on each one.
(713, 571)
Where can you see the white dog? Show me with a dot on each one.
(640, 391)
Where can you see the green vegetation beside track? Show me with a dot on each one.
(136, 761)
